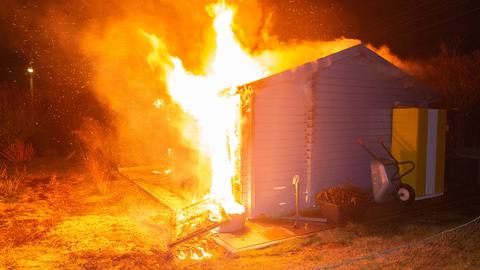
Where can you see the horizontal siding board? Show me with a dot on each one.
(269, 142)
(320, 108)
(360, 174)
(360, 126)
(365, 71)
(328, 134)
(359, 78)
(319, 118)
(357, 105)
(356, 172)
(287, 194)
(322, 158)
(270, 175)
(284, 91)
(277, 180)
(280, 101)
(372, 99)
(361, 167)
(290, 135)
(359, 93)
(327, 183)
(292, 161)
(350, 134)
(349, 125)
(353, 117)
(280, 118)
(329, 85)
(288, 108)
(276, 152)
(346, 149)
(278, 177)
(338, 166)
(353, 106)
(358, 72)
(273, 147)
(286, 126)
(267, 159)
(280, 136)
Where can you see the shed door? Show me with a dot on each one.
(278, 150)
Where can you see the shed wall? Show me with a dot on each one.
(306, 122)
(353, 99)
(278, 143)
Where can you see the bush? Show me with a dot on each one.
(18, 151)
(455, 75)
(98, 155)
(9, 184)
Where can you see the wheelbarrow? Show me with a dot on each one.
(387, 179)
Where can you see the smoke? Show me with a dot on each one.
(411, 67)
(123, 81)
(98, 47)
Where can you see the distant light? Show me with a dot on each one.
(30, 70)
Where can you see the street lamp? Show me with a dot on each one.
(30, 72)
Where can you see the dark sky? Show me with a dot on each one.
(411, 28)
(47, 32)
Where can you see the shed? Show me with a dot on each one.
(305, 121)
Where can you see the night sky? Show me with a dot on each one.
(47, 32)
(411, 28)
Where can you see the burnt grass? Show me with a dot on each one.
(60, 220)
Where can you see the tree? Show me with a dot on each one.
(457, 78)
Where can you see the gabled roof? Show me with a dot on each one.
(390, 71)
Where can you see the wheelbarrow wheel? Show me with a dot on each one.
(406, 194)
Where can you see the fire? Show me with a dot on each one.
(196, 253)
(204, 97)
(212, 99)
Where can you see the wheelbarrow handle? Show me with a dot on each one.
(362, 143)
(386, 150)
(409, 162)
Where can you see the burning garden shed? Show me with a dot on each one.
(305, 121)
(266, 142)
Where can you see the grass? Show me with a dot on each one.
(18, 151)
(9, 184)
(98, 154)
(66, 223)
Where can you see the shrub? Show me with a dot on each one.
(98, 155)
(9, 184)
(455, 75)
(18, 151)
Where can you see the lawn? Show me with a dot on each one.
(60, 220)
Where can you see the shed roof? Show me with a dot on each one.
(386, 70)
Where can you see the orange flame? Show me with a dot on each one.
(216, 109)
(196, 253)
(217, 114)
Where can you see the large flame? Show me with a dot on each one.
(212, 100)
(204, 97)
